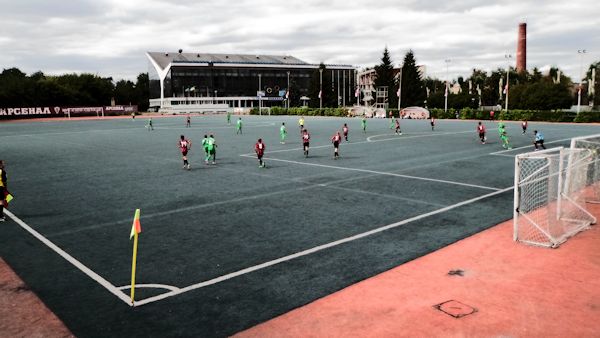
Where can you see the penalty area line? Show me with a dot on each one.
(314, 249)
(106, 284)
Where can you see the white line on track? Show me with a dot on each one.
(106, 284)
(149, 286)
(383, 173)
(313, 250)
(396, 138)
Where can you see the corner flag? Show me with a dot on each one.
(136, 228)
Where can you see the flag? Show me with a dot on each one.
(505, 89)
(287, 94)
(357, 92)
(446, 91)
(7, 198)
(136, 227)
(398, 92)
(320, 92)
(193, 89)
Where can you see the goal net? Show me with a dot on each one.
(550, 190)
(592, 182)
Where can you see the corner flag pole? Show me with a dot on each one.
(135, 230)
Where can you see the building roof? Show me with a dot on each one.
(163, 59)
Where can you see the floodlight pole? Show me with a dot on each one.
(580, 52)
(259, 94)
(288, 91)
(507, 87)
(320, 87)
(447, 61)
(400, 89)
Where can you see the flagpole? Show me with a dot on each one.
(133, 262)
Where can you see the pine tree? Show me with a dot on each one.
(413, 89)
(385, 77)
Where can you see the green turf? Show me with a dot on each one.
(79, 182)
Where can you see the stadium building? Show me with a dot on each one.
(194, 82)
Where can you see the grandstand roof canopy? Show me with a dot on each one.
(163, 59)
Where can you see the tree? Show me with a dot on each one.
(385, 77)
(413, 89)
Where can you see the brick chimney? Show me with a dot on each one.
(522, 48)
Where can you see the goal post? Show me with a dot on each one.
(549, 204)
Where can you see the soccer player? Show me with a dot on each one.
(282, 133)
(432, 123)
(301, 124)
(184, 145)
(3, 190)
(133, 116)
(345, 131)
(259, 148)
(336, 144)
(228, 117)
(363, 123)
(188, 122)
(238, 126)
(524, 126)
(491, 114)
(205, 146)
(149, 126)
(305, 141)
(398, 131)
(539, 140)
(481, 132)
(391, 120)
(504, 136)
(212, 150)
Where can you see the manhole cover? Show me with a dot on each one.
(455, 308)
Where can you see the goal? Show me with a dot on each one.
(591, 143)
(550, 193)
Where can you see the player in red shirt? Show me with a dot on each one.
(336, 144)
(432, 123)
(259, 148)
(398, 131)
(184, 145)
(481, 132)
(524, 126)
(305, 141)
(345, 131)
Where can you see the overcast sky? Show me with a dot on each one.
(110, 37)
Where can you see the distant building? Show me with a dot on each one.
(203, 82)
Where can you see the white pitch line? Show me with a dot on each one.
(529, 146)
(149, 286)
(384, 173)
(398, 137)
(313, 250)
(106, 284)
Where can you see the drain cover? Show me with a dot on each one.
(455, 308)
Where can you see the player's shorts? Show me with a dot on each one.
(305, 144)
(481, 135)
(432, 124)
(212, 151)
(259, 155)
(184, 152)
(539, 142)
(336, 144)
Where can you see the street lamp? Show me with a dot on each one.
(580, 52)
(320, 87)
(447, 61)
(507, 57)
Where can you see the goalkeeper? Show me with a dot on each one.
(503, 136)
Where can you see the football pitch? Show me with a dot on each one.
(227, 246)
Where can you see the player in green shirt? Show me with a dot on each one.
(149, 125)
(212, 150)
(205, 147)
(363, 123)
(238, 126)
(282, 133)
(503, 136)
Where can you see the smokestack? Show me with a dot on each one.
(522, 48)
